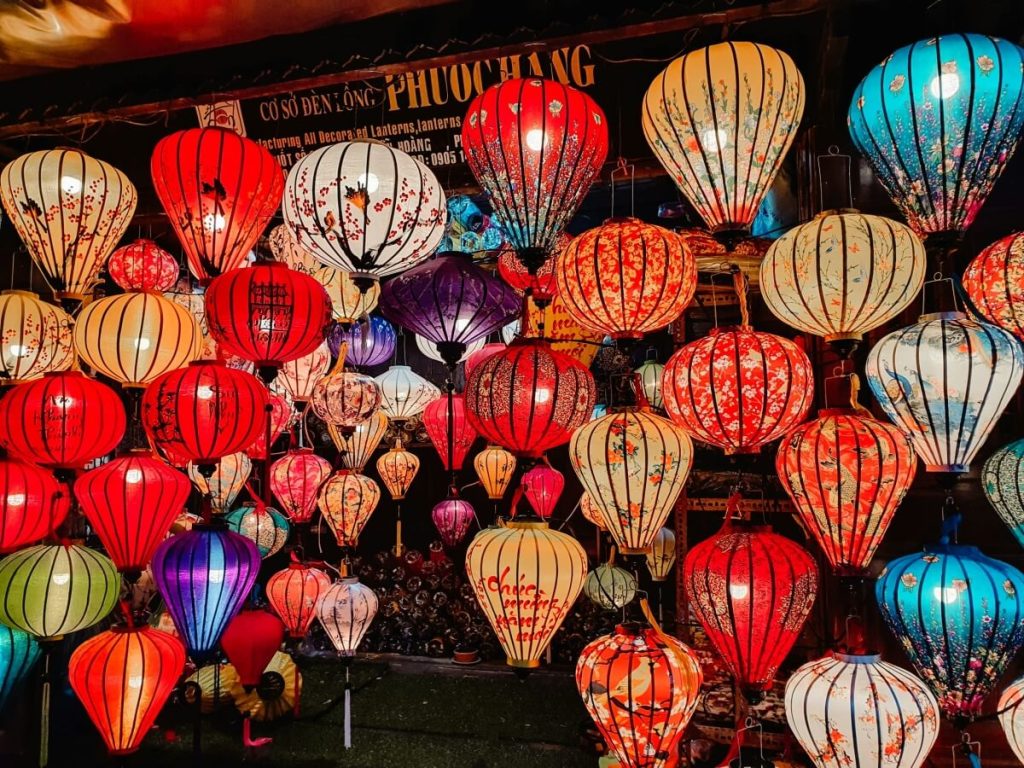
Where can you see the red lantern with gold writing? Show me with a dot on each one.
(293, 594)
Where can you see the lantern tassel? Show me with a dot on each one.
(739, 281)
(348, 710)
(44, 715)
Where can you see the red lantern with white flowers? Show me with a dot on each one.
(143, 266)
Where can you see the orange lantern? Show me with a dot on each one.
(295, 479)
(357, 447)
(346, 501)
(294, 592)
(495, 467)
(398, 468)
(226, 481)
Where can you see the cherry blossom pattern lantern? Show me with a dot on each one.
(860, 712)
(944, 382)
(19, 653)
(219, 190)
(495, 468)
(371, 342)
(279, 414)
(452, 518)
(345, 398)
(364, 208)
(752, 591)
(227, 480)
(346, 501)
(542, 487)
(250, 641)
(357, 447)
(641, 687)
(720, 120)
(35, 337)
(591, 512)
(938, 120)
(404, 393)
(349, 301)
(143, 266)
(738, 388)
(294, 594)
(541, 286)
(32, 504)
(70, 210)
(535, 146)
(432, 351)
(609, 587)
(1002, 480)
(526, 578)
(662, 555)
(993, 281)
(264, 526)
(397, 468)
(283, 247)
(1011, 716)
(346, 611)
(457, 432)
(298, 377)
(295, 479)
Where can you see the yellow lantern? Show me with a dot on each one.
(298, 377)
(495, 467)
(35, 337)
(284, 248)
(226, 481)
(346, 500)
(561, 328)
(398, 468)
(347, 300)
(362, 440)
(662, 555)
(526, 578)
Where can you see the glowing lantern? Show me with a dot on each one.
(610, 587)
(219, 190)
(634, 465)
(939, 120)
(279, 414)
(477, 356)
(214, 683)
(859, 711)
(32, 504)
(143, 266)
(752, 590)
(123, 677)
(250, 641)
(298, 377)
(526, 578)
(557, 325)
(398, 468)
(432, 351)
(460, 432)
(495, 467)
(295, 479)
(264, 526)
(662, 555)
(738, 388)
(284, 248)
(542, 487)
(294, 594)
(35, 337)
(19, 653)
(345, 398)
(404, 393)
(944, 382)
(70, 210)
(650, 374)
(1011, 716)
(993, 282)
(364, 208)
(346, 611)
(371, 342)
(349, 301)
(346, 500)
(226, 481)
(541, 286)
(357, 448)
(1002, 480)
(591, 511)
(452, 518)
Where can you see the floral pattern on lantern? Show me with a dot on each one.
(264, 526)
(346, 611)
(609, 587)
(993, 281)
(35, 337)
(404, 393)
(226, 481)
(294, 594)
(349, 301)
(283, 247)
(1011, 716)
(540, 286)
(345, 398)
(1002, 480)
(143, 266)
(436, 424)
(295, 479)
(662, 555)
(358, 446)
(495, 468)
(397, 469)
(279, 414)
(346, 501)
(299, 377)
(452, 518)
(542, 487)
(32, 504)
(591, 512)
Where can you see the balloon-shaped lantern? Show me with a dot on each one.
(662, 555)
(459, 432)
(19, 653)
(32, 504)
(295, 479)
(35, 337)
(264, 526)
(452, 518)
(1002, 480)
(371, 342)
(1011, 716)
(357, 448)
(298, 377)
(495, 467)
(143, 266)
(610, 587)
(346, 611)
(250, 641)
(346, 501)
(542, 487)
(650, 374)
(994, 281)
(226, 481)
(294, 594)
(404, 393)
(397, 469)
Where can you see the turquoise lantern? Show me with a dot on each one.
(19, 652)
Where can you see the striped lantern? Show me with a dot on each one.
(610, 587)
(1011, 716)
(349, 302)
(662, 555)
(357, 447)
(283, 247)
(994, 281)
(212, 687)
(345, 398)
(295, 479)
(591, 512)
(459, 431)
(279, 414)
(397, 469)
(35, 337)
(1002, 480)
(264, 526)
(294, 594)
(495, 468)
(404, 393)
(346, 501)
(370, 342)
(143, 266)
(542, 488)
(452, 518)
(346, 611)
(32, 504)
(298, 377)
(650, 374)
(225, 483)
(19, 653)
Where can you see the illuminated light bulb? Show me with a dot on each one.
(535, 139)
(142, 344)
(19, 350)
(70, 185)
(133, 476)
(542, 395)
(15, 499)
(135, 681)
(738, 591)
(204, 392)
(63, 401)
(945, 85)
(369, 181)
(216, 575)
(715, 140)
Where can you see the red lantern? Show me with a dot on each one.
(435, 422)
(294, 593)
(475, 358)
(62, 420)
(529, 398)
(541, 286)
(542, 487)
(279, 412)
(295, 480)
(32, 504)
(250, 641)
(143, 266)
(995, 282)
(219, 191)
(131, 502)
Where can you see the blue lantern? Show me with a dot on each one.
(938, 120)
(19, 652)
(263, 525)
(370, 342)
(960, 617)
(1002, 480)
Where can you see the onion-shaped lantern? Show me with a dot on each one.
(752, 590)
(70, 210)
(529, 398)
(35, 337)
(357, 448)
(459, 431)
(349, 301)
(298, 377)
(526, 578)
(860, 712)
(535, 146)
(52, 590)
(452, 518)
(846, 474)
(720, 120)
(32, 504)
(495, 467)
(346, 611)
(591, 511)
(295, 479)
(226, 481)
(371, 342)
(404, 393)
(1002, 480)
(250, 641)
(397, 469)
(650, 375)
(958, 615)
(143, 266)
(364, 208)
(944, 382)
(279, 414)
(219, 190)
(542, 487)
(938, 120)
(1011, 716)
(610, 587)
(432, 351)
(346, 501)
(345, 398)
(634, 465)
(264, 526)
(19, 653)
(662, 555)
(994, 281)
(294, 594)
(641, 687)
(738, 388)
(123, 677)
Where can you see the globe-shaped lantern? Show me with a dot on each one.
(294, 594)
(404, 393)
(225, 483)
(610, 587)
(204, 576)
(994, 281)
(938, 120)
(720, 120)
(123, 677)
(35, 337)
(944, 382)
(219, 190)
(626, 278)
(357, 448)
(859, 712)
(738, 388)
(662, 555)
(364, 208)
(52, 590)
(442, 431)
(70, 210)
(32, 504)
(591, 511)
(283, 247)
(1011, 716)
(542, 487)
(279, 414)
(495, 467)
(250, 641)
(346, 611)
(846, 474)
(349, 301)
(650, 375)
(19, 653)
(752, 590)
(345, 398)
(295, 479)
(535, 146)
(957, 614)
(526, 578)
(143, 266)
(432, 351)
(452, 518)
(633, 464)
(397, 469)
(298, 377)
(1002, 480)
(264, 526)
(371, 342)
(529, 398)
(346, 501)
(641, 687)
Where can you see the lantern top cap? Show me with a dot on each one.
(348, 580)
(859, 658)
(927, 317)
(525, 524)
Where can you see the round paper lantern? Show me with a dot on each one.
(346, 612)
(364, 208)
(131, 503)
(357, 448)
(32, 504)
(526, 578)
(397, 469)
(641, 687)
(35, 337)
(958, 615)
(295, 479)
(62, 420)
(460, 432)
(846, 474)
(738, 388)
(535, 146)
(938, 120)
(124, 677)
(859, 712)
(219, 190)
(634, 465)
(1011, 716)
(993, 281)
(350, 302)
(276, 695)
(452, 518)
(294, 594)
(298, 377)
(431, 351)
(610, 587)
(650, 374)
(752, 590)
(662, 555)
(204, 576)
(842, 274)
(52, 590)
(345, 398)
(529, 398)
(226, 481)
(70, 210)
(371, 342)
(720, 120)
(346, 501)
(264, 526)
(283, 247)
(1002, 480)
(279, 413)
(944, 382)
(495, 467)
(404, 393)
(143, 266)
(542, 487)
(134, 337)
(19, 653)
(591, 511)
(250, 641)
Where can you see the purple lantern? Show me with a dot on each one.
(450, 301)
(452, 518)
(204, 576)
(370, 342)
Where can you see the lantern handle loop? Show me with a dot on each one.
(938, 277)
(623, 169)
(751, 724)
(967, 748)
(714, 291)
(834, 155)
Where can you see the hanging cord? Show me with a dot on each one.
(626, 170)
(741, 285)
(450, 386)
(951, 519)
(833, 156)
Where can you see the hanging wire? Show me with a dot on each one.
(834, 154)
(624, 169)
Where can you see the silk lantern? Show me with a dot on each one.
(432, 351)
(542, 487)
(720, 120)
(298, 377)
(944, 382)
(477, 356)
(264, 526)
(371, 342)
(557, 325)
(397, 468)
(610, 587)
(19, 653)
(460, 432)
(993, 281)
(295, 479)
(32, 504)
(662, 555)
(346, 611)
(452, 518)
(404, 393)
(219, 190)
(495, 468)
(357, 448)
(1011, 716)
(349, 301)
(650, 374)
(69, 210)
(345, 398)
(283, 247)
(592, 512)
(1002, 480)
(143, 266)
(226, 481)
(250, 641)
(279, 414)
(294, 594)
(35, 337)
(346, 501)
(540, 286)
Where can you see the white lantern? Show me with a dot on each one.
(662, 555)
(1011, 716)
(346, 611)
(429, 349)
(404, 393)
(610, 587)
(650, 381)
(35, 337)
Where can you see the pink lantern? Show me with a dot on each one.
(435, 422)
(452, 518)
(295, 479)
(542, 487)
(279, 412)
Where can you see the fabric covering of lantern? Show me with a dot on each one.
(357, 448)
(591, 511)
(495, 468)
(214, 682)
(431, 350)
(298, 377)
(295, 479)
(250, 641)
(345, 398)
(283, 247)
(650, 374)
(19, 653)
(1011, 716)
(226, 481)
(346, 501)
(143, 266)
(397, 469)
(264, 526)
(404, 393)
(294, 593)
(371, 342)
(279, 413)
(540, 286)
(477, 356)
(1002, 480)
(452, 518)
(35, 337)
(346, 611)
(610, 587)
(944, 382)
(32, 504)
(542, 487)
(994, 281)
(349, 301)
(662, 555)
(435, 422)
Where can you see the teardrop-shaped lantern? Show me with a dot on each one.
(227, 480)
(143, 266)
(19, 653)
(345, 398)
(542, 487)
(357, 448)
(397, 469)
(32, 504)
(371, 342)
(250, 641)
(264, 526)
(662, 555)
(1002, 480)
(994, 281)
(610, 587)
(295, 479)
(346, 611)
(452, 518)
(650, 374)
(349, 301)
(346, 500)
(298, 377)
(438, 428)
(404, 393)
(294, 593)
(495, 467)
(1011, 716)
(35, 337)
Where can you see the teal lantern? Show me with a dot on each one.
(18, 654)
(263, 525)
